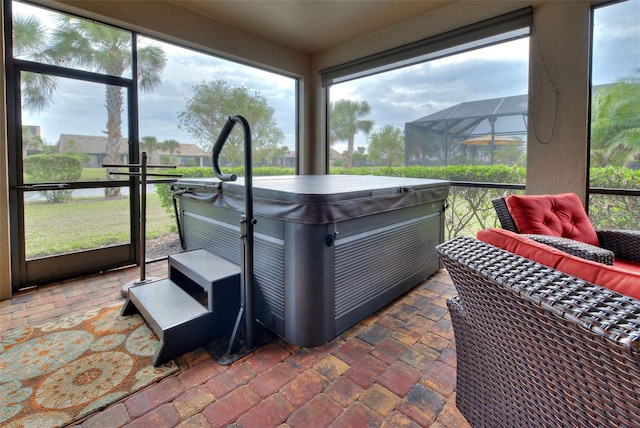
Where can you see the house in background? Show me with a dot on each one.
(95, 148)
(185, 155)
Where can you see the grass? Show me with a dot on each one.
(93, 174)
(100, 174)
(87, 223)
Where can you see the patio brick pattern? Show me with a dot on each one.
(394, 369)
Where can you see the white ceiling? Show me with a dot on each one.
(312, 25)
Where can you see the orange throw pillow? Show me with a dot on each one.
(556, 215)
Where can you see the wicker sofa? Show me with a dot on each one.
(538, 347)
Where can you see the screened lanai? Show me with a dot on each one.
(469, 132)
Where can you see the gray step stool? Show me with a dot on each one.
(194, 306)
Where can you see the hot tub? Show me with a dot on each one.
(329, 250)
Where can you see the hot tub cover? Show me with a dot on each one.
(316, 199)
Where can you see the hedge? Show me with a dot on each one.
(470, 208)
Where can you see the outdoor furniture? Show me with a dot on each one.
(538, 347)
(561, 221)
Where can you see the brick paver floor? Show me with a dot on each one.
(396, 368)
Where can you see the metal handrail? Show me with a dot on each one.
(247, 222)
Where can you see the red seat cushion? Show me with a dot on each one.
(620, 280)
(556, 215)
(625, 264)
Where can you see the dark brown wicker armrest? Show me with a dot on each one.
(624, 243)
(504, 216)
(577, 248)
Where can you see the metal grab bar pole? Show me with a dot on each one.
(143, 217)
(142, 253)
(246, 225)
(248, 236)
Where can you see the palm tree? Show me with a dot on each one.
(28, 36)
(151, 145)
(615, 123)
(106, 49)
(173, 147)
(345, 120)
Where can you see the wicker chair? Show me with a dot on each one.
(624, 244)
(536, 347)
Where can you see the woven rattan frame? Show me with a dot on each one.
(504, 216)
(577, 248)
(624, 243)
(536, 347)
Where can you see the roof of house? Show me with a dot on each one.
(91, 144)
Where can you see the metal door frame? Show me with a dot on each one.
(47, 269)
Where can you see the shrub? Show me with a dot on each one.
(470, 208)
(53, 168)
(617, 211)
(166, 195)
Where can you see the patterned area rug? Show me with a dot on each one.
(61, 371)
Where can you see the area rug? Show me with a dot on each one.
(58, 372)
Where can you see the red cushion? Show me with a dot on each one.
(625, 264)
(614, 278)
(556, 215)
(522, 246)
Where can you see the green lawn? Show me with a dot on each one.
(100, 174)
(93, 174)
(87, 223)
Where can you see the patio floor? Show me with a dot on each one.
(394, 369)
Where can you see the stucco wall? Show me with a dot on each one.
(557, 150)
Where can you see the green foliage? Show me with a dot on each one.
(53, 169)
(210, 106)
(73, 149)
(359, 157)
(173, 147)
(387, 146)
(473, 173)
(150, 145)
(29, 35)
(345, 121)
(616, 211)
(615, 123)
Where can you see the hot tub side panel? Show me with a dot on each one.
(217, 230)
(309, 284)
(379, 258)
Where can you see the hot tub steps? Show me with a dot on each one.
(194, 306)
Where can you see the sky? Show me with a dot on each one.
(395, 97)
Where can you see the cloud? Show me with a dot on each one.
(395, 97)
(407, 94)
